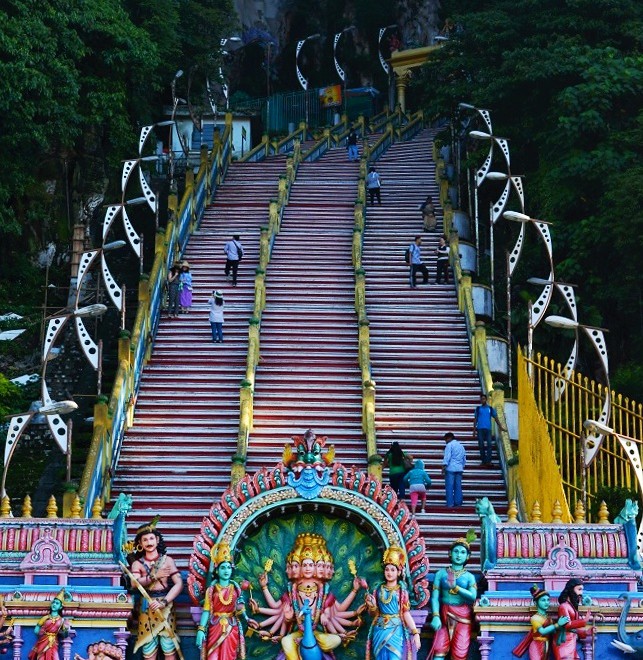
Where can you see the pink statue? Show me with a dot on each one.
(542, 627)
(576, 627)
(454, 592)
(48, 630)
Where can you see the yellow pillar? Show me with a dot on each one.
(401, 82)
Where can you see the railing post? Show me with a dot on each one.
(260, 292)
(357, 248)
(360, 290)
(283, 189)
(374, 459)
(479, 340)
(264, 248)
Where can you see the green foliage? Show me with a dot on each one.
(10, 395)
(564, 82)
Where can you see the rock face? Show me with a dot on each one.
(417, 19)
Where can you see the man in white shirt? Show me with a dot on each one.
(455, 458)
(234, 253)
(415, 262)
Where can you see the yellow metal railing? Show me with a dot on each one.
(113, 417)
(267, 237)
(478, 342)
(364, 338)
(538, 471)
(581, 399)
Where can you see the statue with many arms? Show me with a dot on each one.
(308, 620)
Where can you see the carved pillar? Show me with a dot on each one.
(588, 647)
(18, 642)
(401, 83)
(66, 643)
(484, 642)
(122, 635)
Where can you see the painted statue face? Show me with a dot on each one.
(391, 573)
(307, 568)
(543, 602)
(295, 568)
(149, 542)
(289, 570)
(578, 590)
(225, 570)
(320, 569)
(329, 570)
(459, 555)
(56, 605)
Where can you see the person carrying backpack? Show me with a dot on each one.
(413, 257)
(234, 253)
(482, 417)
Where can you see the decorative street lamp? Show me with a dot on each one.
(384, 63)
(300, 76)
(340, 72)
(223, 52)
(18, 423)
(631, 448)
(597, 338)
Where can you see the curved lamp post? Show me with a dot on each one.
(340, 72)
(300, 76)
(17, 425)
(224, 85)
(597, 337)
(632, 449)
(384, 63)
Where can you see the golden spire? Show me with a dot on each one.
(97, 509)
(579, 512)
(512, 512)
(52, 508)
(603, 514)
(536, 513)
(26, 507)
(75, 507)
(557, 512)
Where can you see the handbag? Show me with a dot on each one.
(409, 462)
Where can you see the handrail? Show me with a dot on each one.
(379, 117)
(410, 130)
(381, 145)
(319, 148)
(112, 417)
(266, 242)
(286, 144)
(259, 152)
(478, 341)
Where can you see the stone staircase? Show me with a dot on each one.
(420, 356)
(308, 376)
(175, 460)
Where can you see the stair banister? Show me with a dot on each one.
(477, 340)
(113, 419)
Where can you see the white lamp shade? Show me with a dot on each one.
(480, 135)
(592, 425)
(561, 322)
(58, 408)
(515, 216)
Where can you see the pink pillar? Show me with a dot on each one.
(484, 642)
(18, 642)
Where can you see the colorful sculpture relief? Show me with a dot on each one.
(155, 576)
(393, 633)
(308, 601)
(223, 609)
(537, 641)
(565, 642)
(454, 592)
(629, 643)
(48, 630)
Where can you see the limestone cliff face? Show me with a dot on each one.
(417, 19)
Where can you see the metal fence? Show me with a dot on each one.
(581, 399)
(280, 113)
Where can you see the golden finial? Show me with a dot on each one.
(52, 508)
(75, 507)
(557, 512)
(97, 509)
(536, 513)
(579, 512)
(5, 507)
(26, 507)
(267, 567)
(603, 514)
(512, 512)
